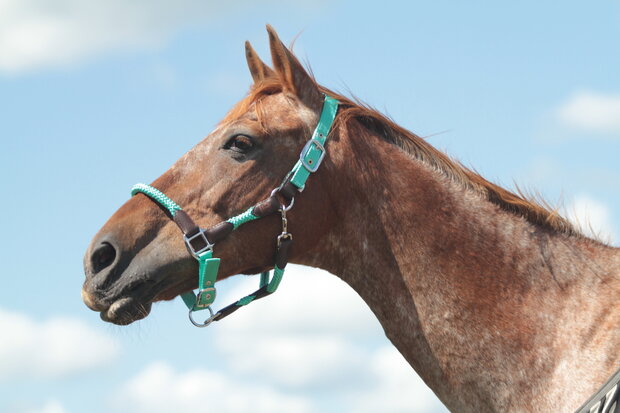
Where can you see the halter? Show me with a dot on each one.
(200, 242)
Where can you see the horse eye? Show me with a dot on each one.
(240, 143)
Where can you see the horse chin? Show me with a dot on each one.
(125, 311)
(120, 304)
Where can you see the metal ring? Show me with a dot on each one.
(287, 208)
(282, 206)
(207, 321)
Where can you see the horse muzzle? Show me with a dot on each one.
(112, 288)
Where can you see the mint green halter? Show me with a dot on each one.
(201, 242)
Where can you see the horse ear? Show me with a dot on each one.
(292, 73)
(258, 68)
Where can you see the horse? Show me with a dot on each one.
(496, 301)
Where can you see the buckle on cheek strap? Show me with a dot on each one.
(207, 275)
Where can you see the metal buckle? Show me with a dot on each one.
(304, 152)
(207, 291)
(203, 235)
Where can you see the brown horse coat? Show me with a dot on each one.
(496, 301)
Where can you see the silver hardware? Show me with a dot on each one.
(304, 152)
(200, 234)
(207, 321)
(207, 293)
(282, 206)
(284, 221)
(288, 208)
(285, 234)
(282, 236)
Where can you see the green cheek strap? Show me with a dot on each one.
(207, 275)
(313, 153)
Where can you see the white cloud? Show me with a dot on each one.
(314, 346)
(317, 336)
(396, 388)
(39, 34)
(159, 388)
(51, 406)
(50, 349)
(308, 301)
(592, 217)
(303, 363)
(591, 112)
(309, 324)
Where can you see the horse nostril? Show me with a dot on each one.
(103, 257)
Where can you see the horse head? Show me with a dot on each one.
(138, 257)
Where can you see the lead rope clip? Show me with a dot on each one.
(285, 234)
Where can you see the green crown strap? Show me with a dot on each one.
(313, 153)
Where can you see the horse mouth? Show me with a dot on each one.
(121, 310)
(132, 302)
(125, 311)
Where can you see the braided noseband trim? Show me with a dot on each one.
(157, 196)
(241, 219)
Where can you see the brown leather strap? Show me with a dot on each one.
(282, 252)
(185, 223)
(219, 231)
(269, 206)
(288, 191)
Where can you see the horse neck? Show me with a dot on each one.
(493, 312)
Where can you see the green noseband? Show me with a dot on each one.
(200, 242)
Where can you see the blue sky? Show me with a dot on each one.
(96, 96)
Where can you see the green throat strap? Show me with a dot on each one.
(310, 159)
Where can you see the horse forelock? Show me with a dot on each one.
(257, 93)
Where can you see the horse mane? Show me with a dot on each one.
(538, 212)
(535, 211)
